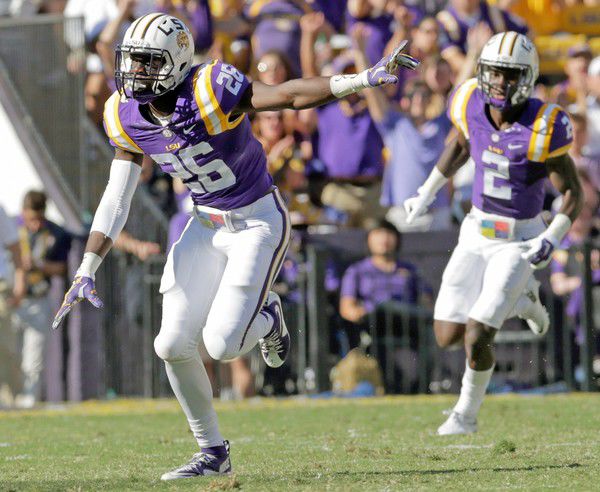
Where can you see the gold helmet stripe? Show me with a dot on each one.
(150, 23)
(512, 45)
(147, 23)
(137, 23)
(501, 43)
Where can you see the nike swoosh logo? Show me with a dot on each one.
(187, 131)
(512, 147)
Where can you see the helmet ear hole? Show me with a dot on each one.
(182, 66)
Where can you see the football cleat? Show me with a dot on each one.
(209, 461)
(457, 424)
(275, 346)
(530, 308)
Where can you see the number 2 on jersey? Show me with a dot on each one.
(500, 170)
(213, 176)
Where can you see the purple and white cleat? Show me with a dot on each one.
(276, 344)
(209, 461)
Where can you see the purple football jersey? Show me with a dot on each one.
(509, 163)
(454, 30)
(216, 155)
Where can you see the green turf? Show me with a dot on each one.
(526, 443)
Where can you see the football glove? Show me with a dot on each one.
(81, 288)
(384, 71)
(538, 251)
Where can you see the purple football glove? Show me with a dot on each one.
(538, 251)
(81, 288)
(384, 71)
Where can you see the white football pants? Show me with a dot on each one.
(215, 282)
(485, 277)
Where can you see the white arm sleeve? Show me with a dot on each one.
(113, 209)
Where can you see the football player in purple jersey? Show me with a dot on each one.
(192, 121)
(516, 141)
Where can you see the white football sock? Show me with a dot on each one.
(524, 302)
(260, 328)
(192, 388)
(472, 391)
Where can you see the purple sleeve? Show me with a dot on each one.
(451, 34)
(350, 283)
(202, 21)
(562, 135)
(387, 125)
(228, 84)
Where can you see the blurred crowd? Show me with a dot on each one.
(353, 162)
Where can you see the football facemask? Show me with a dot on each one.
(143, 74)
(504, 85)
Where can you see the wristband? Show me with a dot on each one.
(89, 265)
(434, 183)
(558, 229)
(342, 85)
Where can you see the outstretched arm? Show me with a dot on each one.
(109, 220)
(376, 99)
(315, 91)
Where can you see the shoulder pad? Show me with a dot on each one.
(457, 110)
(114, 128)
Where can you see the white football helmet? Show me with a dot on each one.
(507, 69)
(154, 57)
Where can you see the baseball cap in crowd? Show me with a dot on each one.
(580, 50)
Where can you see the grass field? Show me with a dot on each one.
(374, 444)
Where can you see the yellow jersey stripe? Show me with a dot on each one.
(542, 132)
(537, 122)
(215, 119)
(112, 128)
(458, 110)
(218, 112)
(202, 101)
(549, 132)
(121, 132)
(560, 151)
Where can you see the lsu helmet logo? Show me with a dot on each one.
(182, 40)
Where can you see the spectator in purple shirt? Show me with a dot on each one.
(462, 15)
(415, 142)
(349, 146)
(379, 22)
(378, 278)
(277, 27)
(196, 15)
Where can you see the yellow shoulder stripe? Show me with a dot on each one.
(560, 151)
(543, 127)
(210, 110)
(114, 127)
(458, 106)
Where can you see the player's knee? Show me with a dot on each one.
(448, 334)
(218, 346)
(172, 349)
(478, 342)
